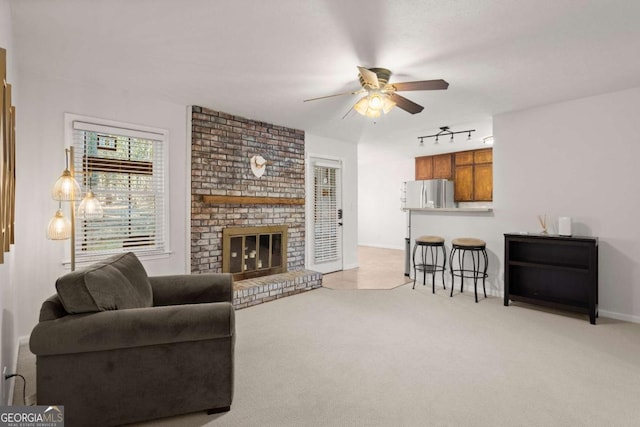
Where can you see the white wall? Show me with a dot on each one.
(8, 307)
(347, 152)
(380, 177)
(577, 159)
(40, 160)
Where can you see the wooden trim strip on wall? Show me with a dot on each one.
(244, 200)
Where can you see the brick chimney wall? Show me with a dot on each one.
(221, 146)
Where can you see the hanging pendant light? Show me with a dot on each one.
(90, 207)
(59, 227)
(66, 187)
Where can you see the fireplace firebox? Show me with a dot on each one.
(249, 252)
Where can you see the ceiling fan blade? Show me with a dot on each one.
(405, 104)
(347, 113)
(337, 94)
(421, 85)
(369, 77)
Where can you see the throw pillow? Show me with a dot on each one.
(119, 282)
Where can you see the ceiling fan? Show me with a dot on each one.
(381, 95)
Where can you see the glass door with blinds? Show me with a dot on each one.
(326, 244)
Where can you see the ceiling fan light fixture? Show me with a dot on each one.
(362, 105)
(373, 105)
(376, 102)
(373, 113)
(388, 104)
(381, 94)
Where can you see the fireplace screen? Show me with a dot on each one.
(254, 251)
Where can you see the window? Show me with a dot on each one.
(125, 167)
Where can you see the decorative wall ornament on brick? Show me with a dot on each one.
(221, 144)
(258, 165)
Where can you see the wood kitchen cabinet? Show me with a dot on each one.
(463, 184)
(464, 158)
(471, 171)
(474, 176)
(443, 166)
(434, 167)
(483, 182)
(483, 156)
(424, 168)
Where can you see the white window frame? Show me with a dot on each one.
(132, 130)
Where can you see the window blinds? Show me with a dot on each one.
(126, 171)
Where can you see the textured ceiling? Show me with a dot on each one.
(260, 59)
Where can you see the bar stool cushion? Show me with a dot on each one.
(468, 242)
(429, 239)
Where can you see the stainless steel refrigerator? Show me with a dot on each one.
(431, 193)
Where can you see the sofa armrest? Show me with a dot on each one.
(191, 288)
(130, 328)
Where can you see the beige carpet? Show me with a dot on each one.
(406, 357)
(409, 358)
(378, 269)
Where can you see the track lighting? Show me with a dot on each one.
(444, 130)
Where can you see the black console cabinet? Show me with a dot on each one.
(553, 271)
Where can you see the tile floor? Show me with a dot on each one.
(379, 268)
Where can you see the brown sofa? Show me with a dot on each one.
(115, 346)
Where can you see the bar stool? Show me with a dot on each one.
(476, 247)
(428, 261)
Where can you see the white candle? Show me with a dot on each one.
(564, 226)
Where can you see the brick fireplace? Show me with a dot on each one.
(225, 193)
(249, 252)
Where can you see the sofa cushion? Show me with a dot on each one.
(118, 282)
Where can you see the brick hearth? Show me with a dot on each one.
(268, 288)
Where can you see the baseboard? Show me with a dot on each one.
(468, 285)
(619, 316)
(23, 340)
(350, 266)
(373, 245)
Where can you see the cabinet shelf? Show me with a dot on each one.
(553, 271)
(550, 266)
(573, 306)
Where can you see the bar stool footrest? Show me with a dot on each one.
(472, 274)
(430, 268)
